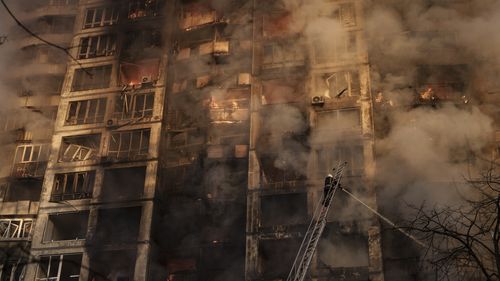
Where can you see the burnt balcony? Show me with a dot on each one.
(16, 229)
(29, 170)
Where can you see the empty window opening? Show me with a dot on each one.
(123, 183)
(441, 82)
(339, 84)
(72, 186)
(80, 148)
(30, 160)
(143, 8)
(24, 190)
(276, 172)
(92, 78)
(66, 226)
(13, 229)
(283, 209)
(112, 266)
(276, 257)
(141, 44)
(129, 145)
(117, 225)
(101, 16)
(97, 46)
(86, 112)
(59, 268)
(134, 106)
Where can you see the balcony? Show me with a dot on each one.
(29, 170)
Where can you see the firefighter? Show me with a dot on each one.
(329, 183)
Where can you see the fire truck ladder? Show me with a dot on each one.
(316, 227)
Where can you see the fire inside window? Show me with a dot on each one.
(59, 268)
(101, 16)
(72, 186)
(129, 145)
(134, 106)
(86, 112)
(142, 73)
(197, 15)
(97, 46)
(92, 78)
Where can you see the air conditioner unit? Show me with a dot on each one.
(318, 100)
(146, 79)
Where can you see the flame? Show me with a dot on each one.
(428, 94)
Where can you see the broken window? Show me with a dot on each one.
(123, 183)
(129, 145)
(338, 84)
(86, 112)
(66, 226)
(340, 49)
(134, 106)
(441, 82)
(59, 268)
(143, 8)
(352, 153)
(80, 148)
(282, 91)
(283, 209)
(30, 160)
(143, 73)
(25, 190)
(92, 78)
(97, 46)
(112, 266)
(142, 44)
(101, 16)
(72, 186)
(118, 225)
(16, 228)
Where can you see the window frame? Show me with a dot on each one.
(60, 263)
(122, 113)
(104, 11)
(85, 106)
(132, 153)
(103, 45)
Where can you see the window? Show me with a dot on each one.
(340, 49)
(123, 183)
(134, 106)
(13, 270)
(86, 112)
(72, 186)
(351, 153)
(31, 153)
(59, 268)
(25, 190)
(282, 53)
(30, 160)
(118, 225)
(142, 8)
(339, 120)
(63, 2)
(101, 16)
(80, 148)
(66, 226)
(97, 46)
(16, 228)
(129, 144)
(92, 78)
(338, 84)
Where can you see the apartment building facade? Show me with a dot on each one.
(191, 142)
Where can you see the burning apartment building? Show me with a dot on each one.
(188, 140)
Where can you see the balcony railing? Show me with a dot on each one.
(70, 196)
(29, 170)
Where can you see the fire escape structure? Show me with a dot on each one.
(316, 227)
